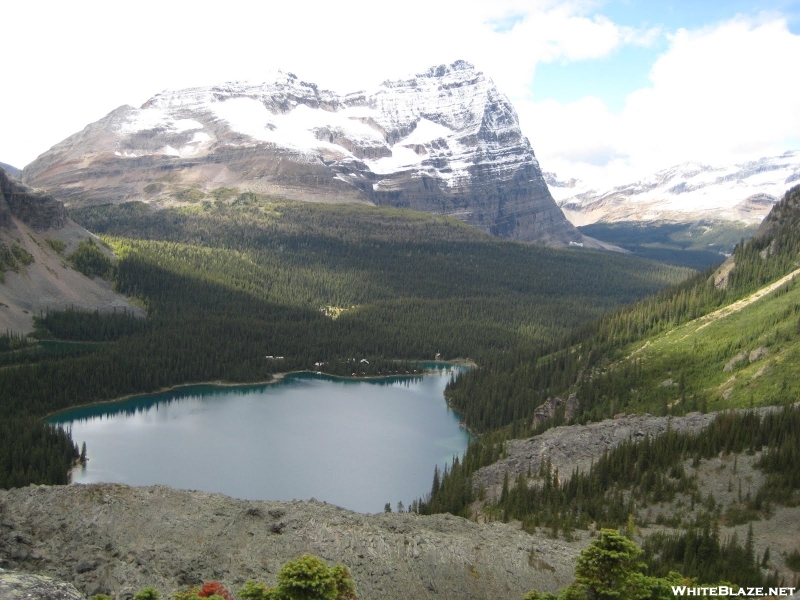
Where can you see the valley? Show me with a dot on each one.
(226, 284)
(250, 293)
(253, 233)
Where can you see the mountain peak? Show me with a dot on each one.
(445, 141)
(444, 70)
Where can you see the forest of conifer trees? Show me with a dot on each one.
(225, 284)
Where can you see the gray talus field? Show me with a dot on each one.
(118, 539)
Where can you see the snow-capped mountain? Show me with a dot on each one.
(444, 141)
(684, 193)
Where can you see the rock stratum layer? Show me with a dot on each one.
(116, 539)
(445, 141)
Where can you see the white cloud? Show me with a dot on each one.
(77, 61)
(722, 94)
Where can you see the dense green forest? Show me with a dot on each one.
(226, 285)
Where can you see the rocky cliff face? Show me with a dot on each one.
(36, 209)
(444, 141)
(550, 408)
(11, 170)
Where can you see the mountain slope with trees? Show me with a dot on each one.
(668, 353)
(719, 340)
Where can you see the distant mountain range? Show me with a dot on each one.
(444, 141)
(684, 193)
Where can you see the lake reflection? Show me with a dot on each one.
(357, 444)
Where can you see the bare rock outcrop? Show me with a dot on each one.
(742, 356)
(577, 446)
(547, 410)
(746, 357)
(19, 586)
(36, 209)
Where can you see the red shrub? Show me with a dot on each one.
(214, 587)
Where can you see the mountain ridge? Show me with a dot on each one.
(683, 193)
(444, 141)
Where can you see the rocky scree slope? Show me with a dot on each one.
(116, 539)
(28, 219)
(444, 141)
(575, 447)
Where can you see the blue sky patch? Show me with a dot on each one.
(611, 79)
(694, 14)
(627, 69)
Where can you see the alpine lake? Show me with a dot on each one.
(355, 443)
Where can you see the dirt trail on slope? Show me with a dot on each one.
(740, 304)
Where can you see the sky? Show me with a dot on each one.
(606, 91)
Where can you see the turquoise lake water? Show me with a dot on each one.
(353, 443)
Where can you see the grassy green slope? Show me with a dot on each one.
(707, 361)
(702, 337)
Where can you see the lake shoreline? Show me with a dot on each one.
(276, 378)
